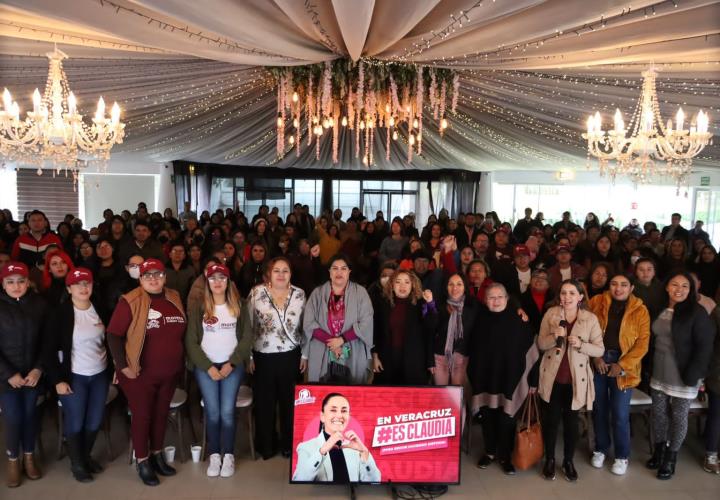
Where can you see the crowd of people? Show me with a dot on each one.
(576, 314)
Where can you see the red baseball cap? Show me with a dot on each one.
(151, 265)
(521, 250)
(217, 268)
(78, 275)
(12, 268)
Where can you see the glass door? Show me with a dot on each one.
(707, 209)
(402, 204)
(372, 201)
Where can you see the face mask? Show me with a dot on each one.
(94, 237)
(163, 239)
(384, 280)
(634, 259)
(134, 273)
(282, 245)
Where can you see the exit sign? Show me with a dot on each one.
(705, 181)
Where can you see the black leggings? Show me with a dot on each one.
(498, 432)
(560, 408)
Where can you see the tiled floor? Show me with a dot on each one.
(268, 479)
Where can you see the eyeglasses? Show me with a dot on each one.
(157, 275)
(217, 279)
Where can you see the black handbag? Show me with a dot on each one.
(337, 374)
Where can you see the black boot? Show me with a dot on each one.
(548, 471)
(92, 465)
(657, 456)
(667, 467)
(77, 463)
(159, 465)
(147, 474)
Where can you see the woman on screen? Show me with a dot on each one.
(335, 455)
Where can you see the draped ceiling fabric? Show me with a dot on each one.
(189, 74)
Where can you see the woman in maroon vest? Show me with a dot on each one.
(146, 335)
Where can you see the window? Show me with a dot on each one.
(346, 195)
(222, 194)
(309, 192)
(621, 201)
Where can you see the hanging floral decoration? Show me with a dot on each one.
(361, 96)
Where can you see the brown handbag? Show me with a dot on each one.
(528, 439)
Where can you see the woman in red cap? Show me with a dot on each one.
(77, 365)
(146, 341)
(218, 351)
(22, 315)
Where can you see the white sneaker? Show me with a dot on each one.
(213, 469)
(619, 466)
(598, 459)
(228, 466)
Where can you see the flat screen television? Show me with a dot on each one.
(376, 434)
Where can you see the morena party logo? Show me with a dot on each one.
(211, 321)
(304, 398)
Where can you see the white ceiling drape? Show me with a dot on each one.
(189, 75)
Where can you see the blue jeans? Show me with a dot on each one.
(19, 410)
(609, 400)
(83, 409)
(219, 399)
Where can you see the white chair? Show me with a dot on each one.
(243, 404)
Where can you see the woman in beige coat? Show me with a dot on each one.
(569, 336)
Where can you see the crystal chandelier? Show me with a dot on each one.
(54, 132)
(638, 151)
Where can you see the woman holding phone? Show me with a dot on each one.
(569, 336)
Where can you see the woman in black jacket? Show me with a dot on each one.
(254, 269)
(683, 338)
(22, 315)
(77, 365)
(451, 329)
(502, 372)
(403, 350)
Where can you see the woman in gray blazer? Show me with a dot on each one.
(336, 455)
(338, 328)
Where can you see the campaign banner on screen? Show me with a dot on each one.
(376, 434)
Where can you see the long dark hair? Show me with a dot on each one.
(684, 309)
